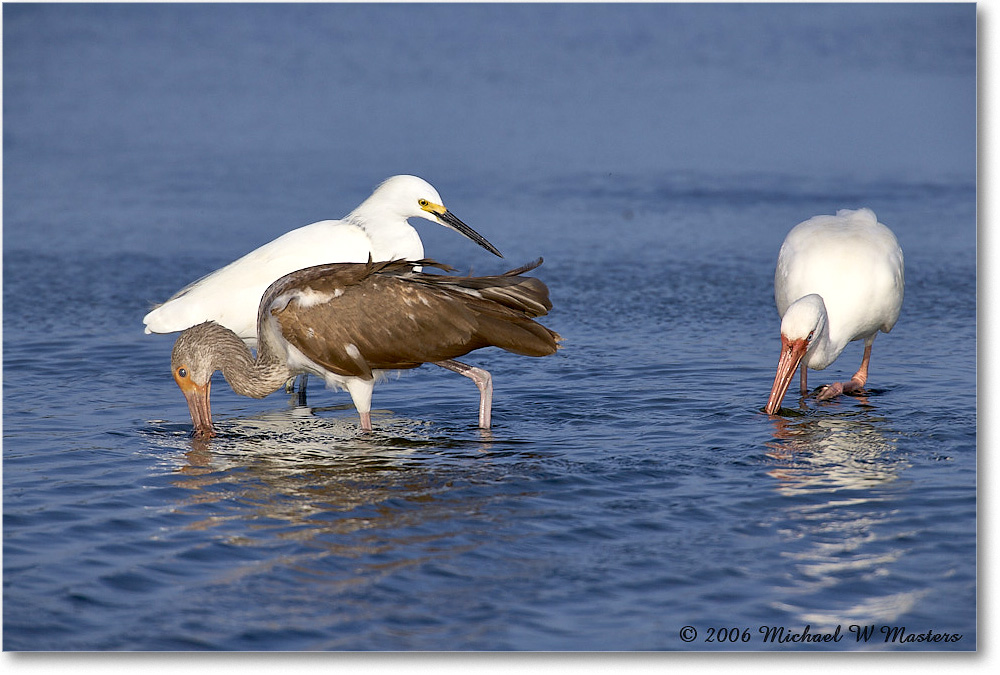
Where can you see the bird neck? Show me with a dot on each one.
(808, 316)
(249, 376)
(391, 235)
(823, 350)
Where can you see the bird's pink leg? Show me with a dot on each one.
(855, 384)
(483, 380)
(361, 393)
(366, 421)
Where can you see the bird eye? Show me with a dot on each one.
(810, 335)
(181, 372)
(423, 202)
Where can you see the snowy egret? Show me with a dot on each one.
(377, 228)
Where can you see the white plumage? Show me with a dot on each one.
(377, 228)
(838, 279)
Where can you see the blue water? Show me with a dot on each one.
(655, 155)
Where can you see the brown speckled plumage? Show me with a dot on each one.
(349, 321)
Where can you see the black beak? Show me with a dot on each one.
(454, 223)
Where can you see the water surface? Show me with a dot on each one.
(655, 156)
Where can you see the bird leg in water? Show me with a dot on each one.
(483, 380)
(854, 385)
(303, 378)
(290, 388)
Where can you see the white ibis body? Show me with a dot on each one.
(377, 229)
(838, 279)
(349, 323)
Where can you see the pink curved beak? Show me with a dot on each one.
(792, 352)
(199, 404)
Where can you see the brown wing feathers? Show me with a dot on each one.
(526, 295)
(385, 316)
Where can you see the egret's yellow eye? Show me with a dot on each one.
(423, 203)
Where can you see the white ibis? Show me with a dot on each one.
(350, 323)
(838, 279)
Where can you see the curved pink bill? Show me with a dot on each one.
(792, 352)
(199, 404)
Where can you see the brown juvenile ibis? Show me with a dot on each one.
(350, 323)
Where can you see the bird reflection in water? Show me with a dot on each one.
(307, 479)
(832, 452)
(840, 529)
